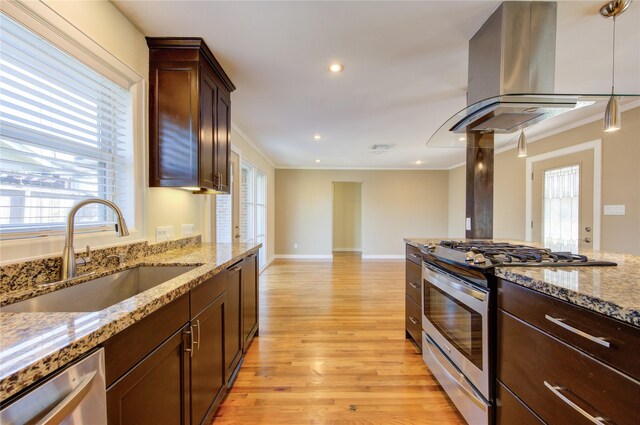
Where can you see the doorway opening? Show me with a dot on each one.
(347, 217)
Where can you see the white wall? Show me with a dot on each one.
(395, 205)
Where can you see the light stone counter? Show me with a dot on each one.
(612, 291)
(32, 345)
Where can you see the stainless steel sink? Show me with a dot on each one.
(98, 294)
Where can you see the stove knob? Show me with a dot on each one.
(469, 256)
(479, 259)
(431, 247)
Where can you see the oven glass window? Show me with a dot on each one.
(459, 324)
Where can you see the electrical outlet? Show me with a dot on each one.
(295, 246)
(468, 224)
(164, 233)
(188, 229)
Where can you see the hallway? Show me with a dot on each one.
(331, 350)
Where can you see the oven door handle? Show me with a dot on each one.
(458, 285)
(451, 372)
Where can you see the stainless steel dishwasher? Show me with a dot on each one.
(73, 396)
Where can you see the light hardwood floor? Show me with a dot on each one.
(332, 350)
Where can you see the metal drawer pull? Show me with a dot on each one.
(560, 322)
(66, 407)
(556, 391)
(414, 321)
(416, 255)
(414, 285)
(190, 333)
(197, 325)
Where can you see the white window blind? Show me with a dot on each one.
(561, 208)
(64, 136)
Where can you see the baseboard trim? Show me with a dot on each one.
(383, 257)
(347, 250)
(304, 257)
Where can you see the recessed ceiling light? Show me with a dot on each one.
(317, 137)
(317, 160)
(462, 139)
(418, 162)
(336, 67)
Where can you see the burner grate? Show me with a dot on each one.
(508, 254)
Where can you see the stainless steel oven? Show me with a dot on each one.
(456, 337)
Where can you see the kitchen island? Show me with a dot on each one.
(35, 344)
(613, 290)
(565, 336)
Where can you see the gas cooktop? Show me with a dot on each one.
(504, 254)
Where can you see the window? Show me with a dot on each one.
(253, 207)
(224, 214)
(65, 135)
(561, 208)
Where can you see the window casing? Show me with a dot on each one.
(65, 135)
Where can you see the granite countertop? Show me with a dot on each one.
(32, 345)
(612, 291)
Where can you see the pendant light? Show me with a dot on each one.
(612, 119)
(522, 145)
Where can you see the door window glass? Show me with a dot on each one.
(561, 208)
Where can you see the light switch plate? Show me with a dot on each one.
(188, 229)
(614, 210)
(468, 224)
(164, 233)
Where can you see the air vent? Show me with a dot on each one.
(380, 149)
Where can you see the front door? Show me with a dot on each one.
(563, 202)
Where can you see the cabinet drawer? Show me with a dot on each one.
(413, 278)
(414, 254)
(128, 347)
(510, 410)
(557, 381)
(554, 316)
(413, 320)
(207, 291)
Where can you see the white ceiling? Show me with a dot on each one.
(405, 70)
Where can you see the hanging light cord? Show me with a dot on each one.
(613, 67)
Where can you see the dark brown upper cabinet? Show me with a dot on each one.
(190, 116)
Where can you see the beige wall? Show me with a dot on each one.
(620, 184)
(247, 151)
(347, 216)
(457, 180)
(395, 205)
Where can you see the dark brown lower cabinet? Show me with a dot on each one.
(156, 390)
(561, 384)
(510, 410)
(249, 299)
(233, 337)
(207, 361)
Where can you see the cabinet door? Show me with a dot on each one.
(173, 120)
(156, 390)
(207, 361)
(208, 96)
(249, 299)
(223, 141)
(233, 336)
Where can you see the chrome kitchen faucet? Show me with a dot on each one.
(68, 255)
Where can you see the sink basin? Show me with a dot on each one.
(98, 294)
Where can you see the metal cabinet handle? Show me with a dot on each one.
(414, 285)
(556, 391)
(416, 255)
(69, 403)
(197, 325)
(191, 341)
(596, 339)
(414, 321)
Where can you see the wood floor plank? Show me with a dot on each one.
(332, 351)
